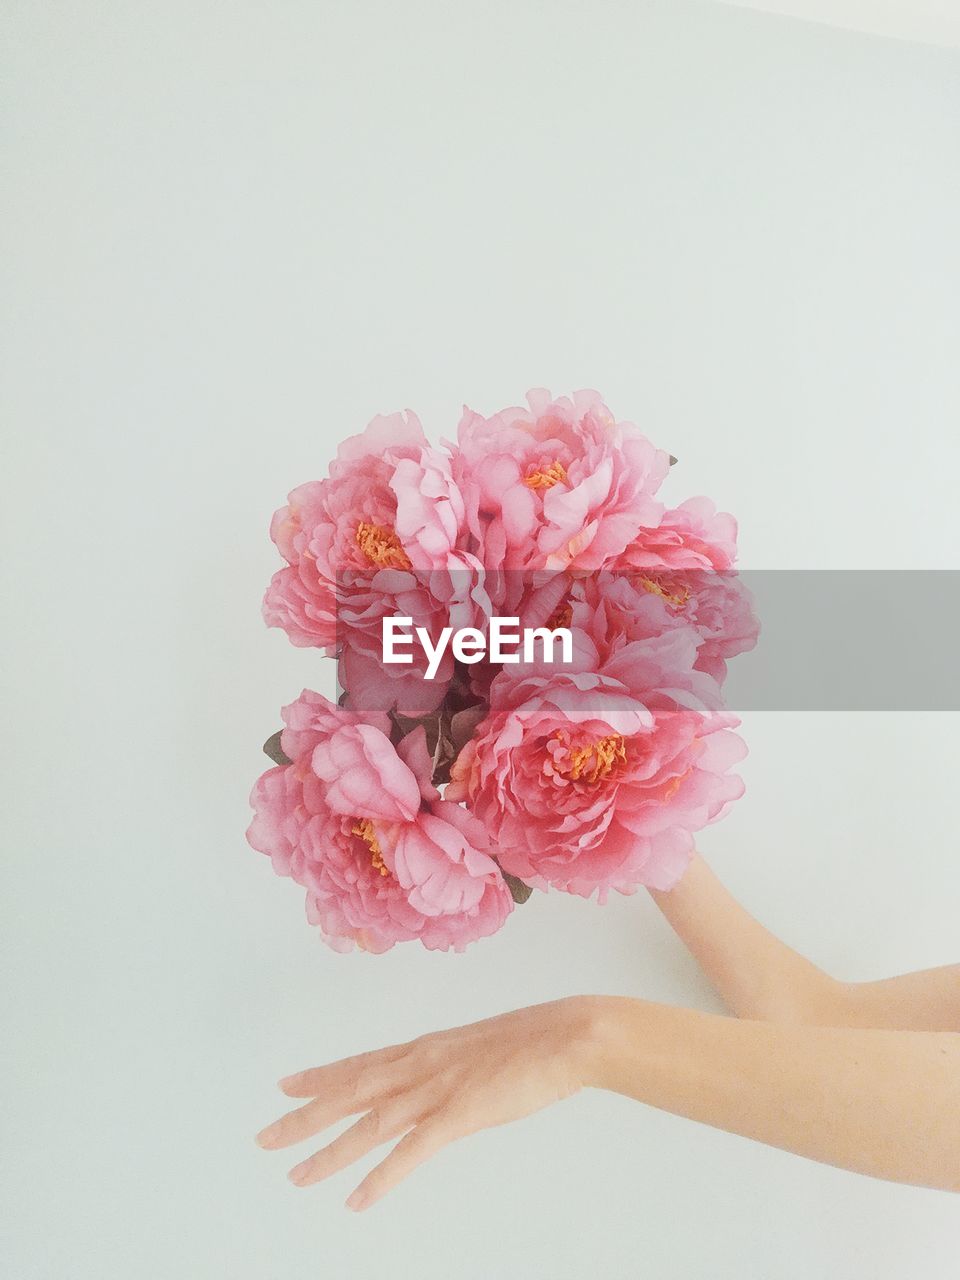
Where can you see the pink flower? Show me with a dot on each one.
(288, 798)
(358, 823)
(381, 536)
(588, 775)
(596, 779)
(444, 863)
(694, 535)
(721, 608)
(675, 576)
(349, 761)
(344, 525)
(453, 597)
(559, 484)
(617, 607)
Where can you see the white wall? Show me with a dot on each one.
(235, 233)
(928, 21)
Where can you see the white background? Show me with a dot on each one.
(930, 21)
(235, 232)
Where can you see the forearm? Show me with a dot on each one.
(884, 1103)
(925, 1001)
(754, 973)
(759, 976)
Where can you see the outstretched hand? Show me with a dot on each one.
(433, 1090)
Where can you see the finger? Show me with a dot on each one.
(338, 1075)
(305, 1121)
(410, 1152)
(367, 1088)
(377, 1126)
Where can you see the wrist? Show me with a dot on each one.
(592, 1037)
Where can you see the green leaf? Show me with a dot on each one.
(273, 749)
(519, 891)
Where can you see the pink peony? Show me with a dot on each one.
(694, 535)
(687, 562)
(617, 607)
(358, 823)
(674, 576)
(595, 779)
(444, 864)
(588, 775)
(340, 527)
(455, 597)
(381, 536)
(558, 484)
(720, 607)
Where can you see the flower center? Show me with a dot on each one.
(562, 616)
(363, 828)
(546, 477)
(381, 546)
(678, 596)
(592, 761)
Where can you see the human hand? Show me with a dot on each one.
(433, 1090)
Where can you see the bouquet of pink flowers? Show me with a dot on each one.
(451, 779)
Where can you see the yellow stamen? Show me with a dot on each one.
(595, 760)
(546, 477)
(674, 785)
(562, 616)
(678, 597)
(381, 546)
(363, 828)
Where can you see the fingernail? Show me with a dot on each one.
(299, 1173)
(356, 1200)
(286, 1082)
(265, 1136)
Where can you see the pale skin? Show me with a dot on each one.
(865, 1076)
